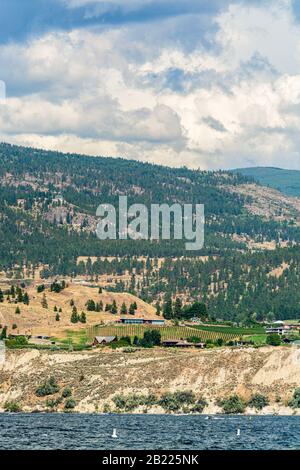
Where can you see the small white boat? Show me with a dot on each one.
(114, 434)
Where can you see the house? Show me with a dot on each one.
(141, 321)
(295, 327)
(280, 330)
(98, 340)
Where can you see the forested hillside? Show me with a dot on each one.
(248, 268)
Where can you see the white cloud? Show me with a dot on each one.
(113, 92)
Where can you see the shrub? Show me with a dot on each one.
(70, 404)
(273, 339)
(151, 338)
(174, 401)
(233, 405)
(49, 387)
(258, 401)
(132, 401)
(67, 392)
(50, 403)
(199, 406)
(295, 401)
(19, 341)
(12, 407)
(169, 403)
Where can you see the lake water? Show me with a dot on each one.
(147, 432)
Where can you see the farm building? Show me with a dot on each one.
(98, 340)
(141, 321)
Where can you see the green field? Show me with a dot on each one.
(167, 332)
(231, 330)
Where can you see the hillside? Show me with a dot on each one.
(286, 181)
(53, 196)
(35, 319)
(48, 202)
(95, 377)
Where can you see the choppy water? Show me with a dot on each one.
(86, 431)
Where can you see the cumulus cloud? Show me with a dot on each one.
(231, 99)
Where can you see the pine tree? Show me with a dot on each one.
(57, 317)
(114, 308)
(55, 308)
(168, 309)
(44, 301)
(83, 317)
(3, 333)
(1, 296)
(131, 309)
(178, 308)
(18, 311)
(123, 309)
(19, 295)
(158, 309)
(74, 316)
(91, 306)
(26, 299)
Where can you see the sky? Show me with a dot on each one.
(207, 84)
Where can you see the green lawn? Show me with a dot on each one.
(257, 339)
(231, 330)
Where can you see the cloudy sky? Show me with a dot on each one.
(201, 83)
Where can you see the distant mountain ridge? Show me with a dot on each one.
(286, 181)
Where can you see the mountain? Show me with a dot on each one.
(48, 203)
(286, 181)
(248, 269)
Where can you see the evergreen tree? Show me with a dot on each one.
(3, 333)
(114, 308)
(57, 317)
(74, 316)
(158, 308)
(19, 295)
(18, 311)
(168, 309)
(44, 302)
(131, 309)
(83, 317)
(178, 308)
(26, 299)
(1, 296)
(90, 305)
(123, 309)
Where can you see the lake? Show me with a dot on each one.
(147, 432)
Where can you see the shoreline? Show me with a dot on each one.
(96, 378)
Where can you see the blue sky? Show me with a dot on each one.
(207, 83)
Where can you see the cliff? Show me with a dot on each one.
(96, 376)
